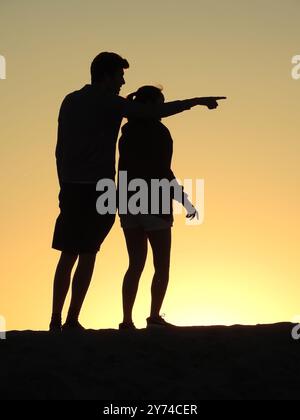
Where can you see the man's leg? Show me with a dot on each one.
(81, 281)
(61, 286)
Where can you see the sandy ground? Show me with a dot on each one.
(191, 363)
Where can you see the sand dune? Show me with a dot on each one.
(191, 363)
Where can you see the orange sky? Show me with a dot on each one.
(242, 264)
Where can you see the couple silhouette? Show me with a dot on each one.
(88, 126)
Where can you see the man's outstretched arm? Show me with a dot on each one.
(135, 110)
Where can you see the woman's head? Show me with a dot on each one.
(147, 94)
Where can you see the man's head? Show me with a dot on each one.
(107, 69)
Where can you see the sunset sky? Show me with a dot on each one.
(241, 266)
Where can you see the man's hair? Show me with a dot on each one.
(106, 64)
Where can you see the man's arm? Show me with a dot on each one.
(135, 110)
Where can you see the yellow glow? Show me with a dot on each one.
(242, 264)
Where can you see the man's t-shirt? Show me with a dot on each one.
(88, 127)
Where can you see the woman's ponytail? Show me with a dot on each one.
(131, 96)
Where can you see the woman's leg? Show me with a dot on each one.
(160, 241)
(136, 241)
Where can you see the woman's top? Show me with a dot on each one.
(146, 149)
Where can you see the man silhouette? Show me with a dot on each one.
(88, 126)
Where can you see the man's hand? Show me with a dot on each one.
(211, 101)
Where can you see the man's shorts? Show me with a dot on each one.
(79, 227)
(147, 222)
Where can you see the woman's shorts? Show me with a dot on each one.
(79, 227)
(148, 222)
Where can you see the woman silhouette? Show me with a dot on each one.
(146, 149)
